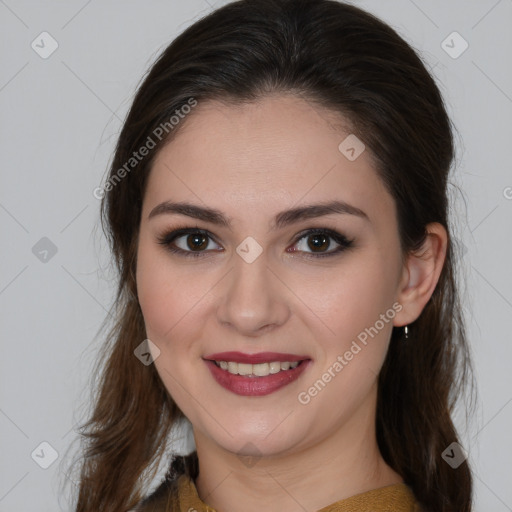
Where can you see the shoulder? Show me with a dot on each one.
(165, 497)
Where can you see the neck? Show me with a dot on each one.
(345, 463)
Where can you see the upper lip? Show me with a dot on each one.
(260, 357)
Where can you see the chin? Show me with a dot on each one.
(249, 440)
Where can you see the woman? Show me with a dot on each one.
(277, 209)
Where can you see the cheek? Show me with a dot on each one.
(166, 294)
(356, 304)
(351, 300)
(358, 308)
(170, 301)
(157, 295)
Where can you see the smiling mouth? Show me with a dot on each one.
(257, 370)
(256, 374)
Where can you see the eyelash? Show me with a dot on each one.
(167, 238)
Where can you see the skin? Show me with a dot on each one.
(252, 162)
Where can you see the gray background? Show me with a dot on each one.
(59, 120)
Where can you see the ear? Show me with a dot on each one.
(420, 274)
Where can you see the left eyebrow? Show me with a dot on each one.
(281, 220)
(311, 211)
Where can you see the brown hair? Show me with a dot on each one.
(337, 56)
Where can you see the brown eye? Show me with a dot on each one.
(189, 242)
(321, 242)
(318, 242)
(197, 242)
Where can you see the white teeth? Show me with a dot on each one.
(244, 369)
(275, 367)
(256, 370)
(261, 370)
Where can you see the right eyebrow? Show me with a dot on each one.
(191, 210)
(281, 220)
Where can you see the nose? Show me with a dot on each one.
(252, 300)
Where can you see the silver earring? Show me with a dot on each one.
(406, 332)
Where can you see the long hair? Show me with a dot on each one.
(337, 56)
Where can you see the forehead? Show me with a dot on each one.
(280, 150)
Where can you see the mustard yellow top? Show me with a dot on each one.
(393, 498)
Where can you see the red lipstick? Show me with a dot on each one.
(261, 357)
(252, 385)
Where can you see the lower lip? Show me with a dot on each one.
(255, 386)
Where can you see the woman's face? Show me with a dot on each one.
(256, 289)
